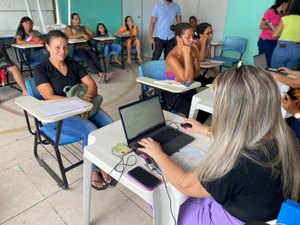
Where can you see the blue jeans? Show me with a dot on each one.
(108, 48)
(37, 56)
(266, 47)
(79, 127)
(286, 54)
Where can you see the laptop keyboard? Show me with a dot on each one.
(166, 135)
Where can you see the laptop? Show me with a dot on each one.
(261, 62)
(145, 118)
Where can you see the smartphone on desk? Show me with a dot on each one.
(146, 179)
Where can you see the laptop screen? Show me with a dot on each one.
(260, 61)
(140, 117)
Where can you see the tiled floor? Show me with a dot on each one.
(27, 193)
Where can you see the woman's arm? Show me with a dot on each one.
(91, 88)
(89, 32)
(291, 82)
(122, 31)
(20, 41)
(202, 47)
(47, 92)
(278, 29)
(196, 63)
(70, 33)
(185, 182)
(264, 25)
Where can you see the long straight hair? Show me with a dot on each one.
(247, 115)
(20, 27)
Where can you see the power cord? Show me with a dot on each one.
(168, 194)
(123, 164)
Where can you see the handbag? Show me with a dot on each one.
(4, 58)
(80, 90)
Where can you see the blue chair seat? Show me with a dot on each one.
(49, 130)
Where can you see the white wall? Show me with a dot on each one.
(14, 10)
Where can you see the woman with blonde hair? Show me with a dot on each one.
(252, 164)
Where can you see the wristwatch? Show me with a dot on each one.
(297, 115)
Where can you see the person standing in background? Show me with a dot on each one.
(271, 18)
(287, 51)
(164, 15)
(193, 22)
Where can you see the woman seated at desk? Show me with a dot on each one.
(108, 46)
(9, 65)
(84, 50)
(204, 35)
(131, 29)
(26, 35)
(182, 65)
(252, 165)
(52, 76)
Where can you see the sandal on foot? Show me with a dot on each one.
(103, 186)
(109, 180)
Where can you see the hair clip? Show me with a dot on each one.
(240, 63)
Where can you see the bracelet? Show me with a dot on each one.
(208, 133)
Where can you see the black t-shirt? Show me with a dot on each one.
(47, 73)
(248, 192)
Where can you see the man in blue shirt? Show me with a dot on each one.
(164, 14)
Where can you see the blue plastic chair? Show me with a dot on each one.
(235, 45)
(52, 134)
(153, 69)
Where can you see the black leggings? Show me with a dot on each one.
(90, 58)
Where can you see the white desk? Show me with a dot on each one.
(202, 101)
(207, 64)
(76, 40)
(101, 39)
(28, 46)
(33, 106)
(98, 152)
(166, 87)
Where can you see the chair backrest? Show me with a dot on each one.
(232, 43)
(153, 69)
(32, 90)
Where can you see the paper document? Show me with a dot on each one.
(170, 82)
(188, 157)
(51, 108)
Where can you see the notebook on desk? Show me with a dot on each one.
(261, 62)
(144, 119)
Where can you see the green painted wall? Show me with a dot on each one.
(243, 19)
(94, 11)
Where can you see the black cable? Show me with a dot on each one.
(170, 200)
(123, 164)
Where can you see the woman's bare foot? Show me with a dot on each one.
(107, 62)
(129, 60)
(108, 179)
(118, 61)
(101, 77)
(140, 60)
(98, 182)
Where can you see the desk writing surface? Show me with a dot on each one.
(33, 105)
(76, 40)
(166, 87)
(104, 38)
(26, 46)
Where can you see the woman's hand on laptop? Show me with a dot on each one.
(197, 127)
(150, 147)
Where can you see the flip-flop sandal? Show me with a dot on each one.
(105, 186)
(112, 182)
(112, 74)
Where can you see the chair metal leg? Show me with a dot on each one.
(61, 182)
